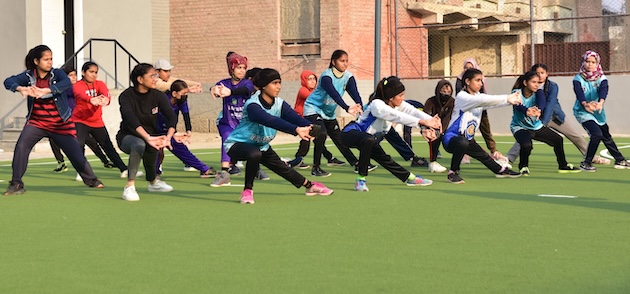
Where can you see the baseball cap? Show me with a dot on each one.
(163, 64)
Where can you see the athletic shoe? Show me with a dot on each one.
(130, 194)
(189, 168)
(419, 181)
(465, 159)
(455, 178)
(600, 160)
(622, 164)
(159, 186)
(319, 172)
(247, 196)
(109, 164)
(303, 165)
(295, 162)
(587, 167)
(96, 184)
(419, 161)
(261, 175)
(371, 167)
(15, 188)
(210, 173)
(124, 173)
(525, 171)
(503, 162)
(335, 162)
(239, 164)
(61, 168)
(569, 168)
(508, 173)
(318, 189)
(361, 186)
(222, 179)
(234, 170)
(436, 167)
(78, 178)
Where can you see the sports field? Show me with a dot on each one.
(488, 235)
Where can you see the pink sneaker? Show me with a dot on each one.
(247, 196)
(318, 189)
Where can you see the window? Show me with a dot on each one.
(299, 22)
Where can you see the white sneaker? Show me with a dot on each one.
(239, 164)
(78, 178)
(436, 167)
(159, 186)
(466, 159)
(130, 194)
(124, 173)
(189, 169)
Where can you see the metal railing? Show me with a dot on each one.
(89, 44)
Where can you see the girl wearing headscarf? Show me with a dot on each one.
(387, 106)
(591, 89)
(234, 91)
(263, 116)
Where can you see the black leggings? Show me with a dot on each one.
(269, 158)
(369, 147)
(544, 134)
(102, 137)
(598, 134)
(331, 129)
(459, 146)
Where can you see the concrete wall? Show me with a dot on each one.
(12, 51)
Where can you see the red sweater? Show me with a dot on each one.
(84, 112)
(304, 92)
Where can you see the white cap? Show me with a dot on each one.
(163, 64)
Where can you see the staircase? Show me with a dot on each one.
(11, 133)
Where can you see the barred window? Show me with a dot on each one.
(300, 28)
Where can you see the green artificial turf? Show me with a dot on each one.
(488, 235)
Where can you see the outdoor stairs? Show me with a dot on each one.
(11, 134)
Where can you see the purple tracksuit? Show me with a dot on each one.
(232, 109)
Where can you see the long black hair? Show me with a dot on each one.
(177, 86)
(523, 78)
(87, 66)
(336, 55)
(543, 66)
(387, 89)
(36, 53)
(138, 71)
(469, 74)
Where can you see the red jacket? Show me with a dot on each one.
(84, 112)
(304, 92)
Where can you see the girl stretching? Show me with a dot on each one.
(48, 116)
(526, 124)
(366, 133)
(263, 115)
(591, 89)
(459, 138)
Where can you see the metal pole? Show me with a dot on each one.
(531, 31)
(377, 43)
(396, 35)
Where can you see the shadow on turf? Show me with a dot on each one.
(579, 202)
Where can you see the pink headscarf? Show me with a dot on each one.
(591, 75)
(233, 60)
(475, 66)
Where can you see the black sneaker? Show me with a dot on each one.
(508, 173)
(335, 162)
(419, 161)
(569, 168)
(455, 178)
(371, 167)
(587, 167)
(303, 165)
(295, 162)
(61, 167)
(234, 170)
(210, 173)
(15, 189)
(109, 164)
(622, 164)
(319, 172)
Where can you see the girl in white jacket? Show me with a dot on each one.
(386, 106)
(459, 138)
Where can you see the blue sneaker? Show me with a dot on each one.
(361, 186)
(419, 181)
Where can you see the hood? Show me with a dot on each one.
(304, 77)
(441, 84)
